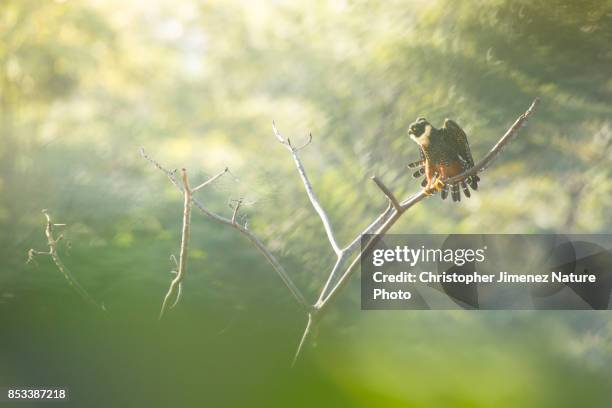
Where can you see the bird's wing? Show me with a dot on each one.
(455, 135)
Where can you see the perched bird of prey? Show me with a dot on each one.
(445, 153)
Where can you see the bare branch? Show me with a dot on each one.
(306, 143)
(505, 139)
(236, 209)
(342, 254)
(278, 268)
(279, 137)
(309, 190)
(175, 285)
(392, 200)
(52, 243)
(305, 336)
(210, 180)
(179, 292)
(333, 276)
(350, 249)
(374, 225)
(170, 174)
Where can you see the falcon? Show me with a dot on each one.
(445, 153)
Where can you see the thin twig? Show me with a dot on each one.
(52, 252)
(236, 209)
(180, 286)
(307, 331)
(176, 284)
(210, 180)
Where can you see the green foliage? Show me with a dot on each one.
(84, 84)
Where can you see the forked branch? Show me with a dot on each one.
(52, 243)
(342, 254)
(231, 222)
(308, 186)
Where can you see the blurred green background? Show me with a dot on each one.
(84, 84)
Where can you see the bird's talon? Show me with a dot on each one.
(439, 185)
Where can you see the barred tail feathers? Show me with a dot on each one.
(414, 164)
(419, 172)
(455, 192)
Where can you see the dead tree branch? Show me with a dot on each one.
(176, 284)
(308, 186)
(52, 252)
(210, 180)
(339, 274)
(236, 209)
(499, 146)
(392, 200)
(342, 254)
(278, 268)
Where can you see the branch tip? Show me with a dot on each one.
(236, 208)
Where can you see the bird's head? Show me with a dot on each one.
(421, 127)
